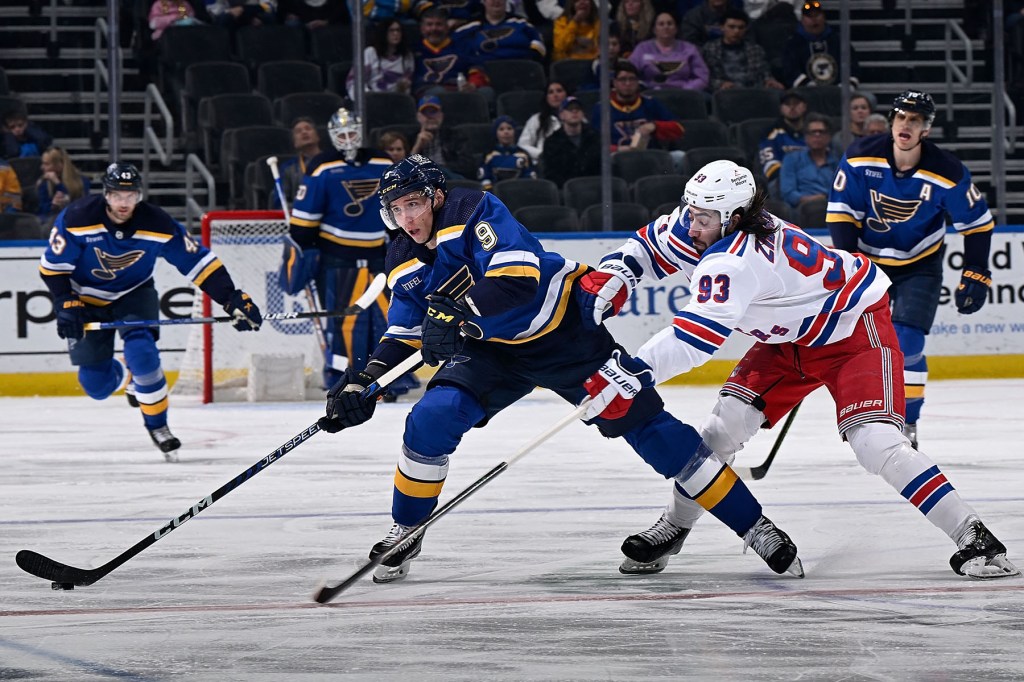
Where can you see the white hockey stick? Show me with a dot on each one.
(326, 592)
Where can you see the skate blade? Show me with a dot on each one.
(796, 568)
(983, 568)
(171, 457)
(630, 567)
(389, 574)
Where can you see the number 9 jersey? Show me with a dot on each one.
(784, 288)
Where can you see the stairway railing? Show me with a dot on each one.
(150, 140)
(193, 211)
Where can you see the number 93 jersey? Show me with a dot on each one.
(783, 288)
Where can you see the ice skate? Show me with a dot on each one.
(165, 440)
(129, 392)
(395, 567)
(910, 431)
(774, 546)
(649, 551)
(981, 556)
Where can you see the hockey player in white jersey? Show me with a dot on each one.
(818, 315)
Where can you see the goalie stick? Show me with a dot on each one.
(326, 592)
(310, 289)
(369, 296)
(759, 472)
(66, 577)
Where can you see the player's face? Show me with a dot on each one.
(705, 228)
(908, 129)
(413, 213)
(121, 204)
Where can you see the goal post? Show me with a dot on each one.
(219, 361)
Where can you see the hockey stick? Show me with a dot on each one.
(67, 577)
(759, 472)
(362, 303)
(326, 593)
(311, 299)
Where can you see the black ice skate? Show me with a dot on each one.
(396, 566)
(165, 440)
(774, 546)
(649, 551)
(129, 394)
(981, 555)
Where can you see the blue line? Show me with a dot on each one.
(517, 510)
(93, 668)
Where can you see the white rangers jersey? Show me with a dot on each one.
(786, 288)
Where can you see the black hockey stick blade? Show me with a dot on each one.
(761, 470)
(63, 574)
(326, 592)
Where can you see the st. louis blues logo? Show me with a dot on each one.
(359, 191)
(111, 264)
(438, 68)
(890, 211)
(493, 37)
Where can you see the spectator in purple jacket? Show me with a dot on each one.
(665, 61)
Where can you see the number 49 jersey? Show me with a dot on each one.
(784, 288)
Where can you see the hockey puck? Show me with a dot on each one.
(62, 586)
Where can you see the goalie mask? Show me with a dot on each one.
(346, 132)
(415, 173)
(914, 101)
(721, 186)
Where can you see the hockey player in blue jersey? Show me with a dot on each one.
(889, 201)
(335, 236)
(514, 324)
(99, 266)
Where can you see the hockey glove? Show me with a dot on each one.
(614, 386)
(441, 327)
(604, 291)
(298, 266)
(346, 406)
(973, 290)
(70, 317)
(246, 313)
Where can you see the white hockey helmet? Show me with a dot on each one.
(345, 130)
(721, 186)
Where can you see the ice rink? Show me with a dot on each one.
(518, 583)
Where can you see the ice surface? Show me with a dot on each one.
(518, 583)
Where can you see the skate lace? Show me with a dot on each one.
(162, 434)
(662, 531)
(395, 535)
(763, 539)
(970, 534)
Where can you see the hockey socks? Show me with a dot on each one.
(715, 486)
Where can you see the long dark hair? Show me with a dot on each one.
(546, 110)
(754, 219)
(379, 39)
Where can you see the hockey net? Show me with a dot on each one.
(218, 360)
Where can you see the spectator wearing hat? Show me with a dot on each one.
(435, 141)
(734, 61)
(506, 160)
(812, 55)
(574, 149)
(787, 135)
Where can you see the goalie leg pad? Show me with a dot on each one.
(298, 266)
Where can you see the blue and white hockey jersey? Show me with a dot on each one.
(900, 218)
(101, 261)
(785, 288)
(520, 291)
(337, 208)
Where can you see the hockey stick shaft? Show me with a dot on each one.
(328, 592)
(759, 472)
(49, 569)
(127, 324)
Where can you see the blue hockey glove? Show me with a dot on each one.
(70, 317)
(298, 266)
(973, 290)
(441, 329)
(615, 384)
(246, 313)
(346, 407)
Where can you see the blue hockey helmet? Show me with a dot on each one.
(122, 177)
(414, 173)
(914, 101)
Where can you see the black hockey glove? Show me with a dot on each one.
(346, 406)
(973, 290)
(70, 317)
(246, 313)
(441, 326)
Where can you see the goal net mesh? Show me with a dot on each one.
(217, 359)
